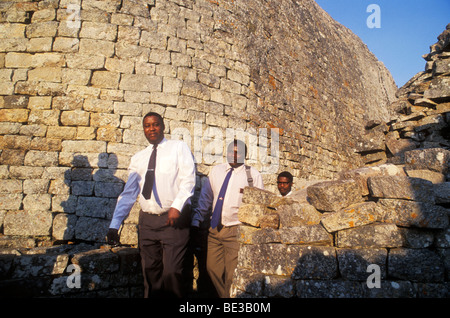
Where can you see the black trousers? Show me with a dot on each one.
(163, 251)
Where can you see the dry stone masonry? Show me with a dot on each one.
(325, 241)
(76, 77)
(389, 218)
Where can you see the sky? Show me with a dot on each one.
(398, 32)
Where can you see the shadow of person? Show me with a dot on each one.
(93, 192)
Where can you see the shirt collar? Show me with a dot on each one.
(161, 143)
(235, 169)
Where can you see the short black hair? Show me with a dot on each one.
(287, 175)
(153, 114)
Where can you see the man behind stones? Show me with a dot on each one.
(223, 192)
(163, 176)
(284, 183)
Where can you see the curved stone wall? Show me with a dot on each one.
(77, 76)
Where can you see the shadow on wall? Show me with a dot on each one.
(77, 265)
(93, 196)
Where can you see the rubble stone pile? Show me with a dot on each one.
(422, 112)
(324, 240)
(77, 76)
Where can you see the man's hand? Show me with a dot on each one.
(112, 238)
(173, 216)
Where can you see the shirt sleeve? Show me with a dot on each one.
(204, 205)
(186, 176)
(127, 198)
(257, 179)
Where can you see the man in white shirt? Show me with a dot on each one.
(223, 245)
(163, 176)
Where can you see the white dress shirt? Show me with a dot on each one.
(174, 180)
(233, 196)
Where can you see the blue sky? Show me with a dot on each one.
(407, 29)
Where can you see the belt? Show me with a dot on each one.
(155, 214)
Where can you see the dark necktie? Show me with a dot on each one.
(217, 213)
(150, 175)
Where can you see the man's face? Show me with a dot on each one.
(284, 186)
(235, 156)
(153, 129)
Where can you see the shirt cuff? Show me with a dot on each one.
(115, 224)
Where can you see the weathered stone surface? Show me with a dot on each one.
(252, 213)
(442, 192)
(334, 195)
(413, 214)
(432, 176)
(63, 227)
(391, 289)
(435, 159)
(257, 196)
(398, 187)
(417, 265)
(247, 281)
(91, 229)
(399, 146)
(328, 289)
(305, 234)
(275, 286)
(27, 223)
(271, 220)
(417, 238)
(355, 215)
(372, 235)
(439, 88)
(129, 234)
(39, 265)
(273, 259)
(297, 214)
(96, 261)
(315, 262)
(252, 235)
(353, 263)
(130, 260)
(94, 207)
(361, 175)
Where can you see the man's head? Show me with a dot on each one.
(153, 125)
(284, 182)
(236, 152)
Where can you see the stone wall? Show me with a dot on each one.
(422, 112)
(325, 241)
(389, 218)
(80, 270)
(76, 77)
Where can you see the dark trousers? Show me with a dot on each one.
(163, 249)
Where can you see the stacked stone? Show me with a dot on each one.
(424, 104)
(71, 271)
(325, 241)
(422, 117)
(76, 77)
